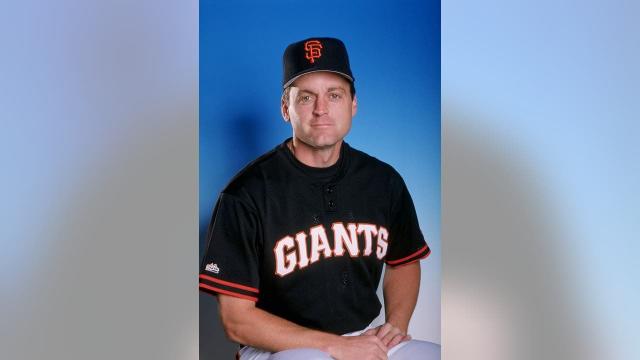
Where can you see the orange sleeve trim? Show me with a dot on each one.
(414, 260)
(237, 286)
(392, 262)
(204, 286)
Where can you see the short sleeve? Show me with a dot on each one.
(406, 242)
(230, 264)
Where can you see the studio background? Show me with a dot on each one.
(395, 57)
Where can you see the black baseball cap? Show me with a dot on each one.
(315, 54)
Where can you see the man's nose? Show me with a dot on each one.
(320, 106)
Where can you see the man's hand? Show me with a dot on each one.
(363, 347)
(389, 335)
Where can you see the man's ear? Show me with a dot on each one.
(354, 106)
(284, 109)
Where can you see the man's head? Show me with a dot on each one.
(318, 97)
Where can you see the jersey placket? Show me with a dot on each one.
(330, 197)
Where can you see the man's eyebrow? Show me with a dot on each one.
(306, 92)
(335, 88)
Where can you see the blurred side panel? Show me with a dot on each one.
(98, 146)
(540, 179)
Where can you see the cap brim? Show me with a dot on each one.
(314, 71)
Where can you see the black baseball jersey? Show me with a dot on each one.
(309, 244)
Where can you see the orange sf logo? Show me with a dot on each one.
(312, 50)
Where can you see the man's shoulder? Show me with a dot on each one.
(362, 161)
(251, 177)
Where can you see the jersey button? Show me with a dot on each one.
(329, 189)
(345, 278)
(332, 204)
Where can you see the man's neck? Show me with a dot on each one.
(315, 157)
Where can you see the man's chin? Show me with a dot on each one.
(325, 143)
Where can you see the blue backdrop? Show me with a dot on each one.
(394, 49)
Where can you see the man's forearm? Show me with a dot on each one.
(400, 288)
(258, 328)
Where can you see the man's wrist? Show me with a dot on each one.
(403, 325)
(331, 344)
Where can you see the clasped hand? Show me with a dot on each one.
(388, 334)
(372, 344)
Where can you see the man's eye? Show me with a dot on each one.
(334, 96)
(305, 99)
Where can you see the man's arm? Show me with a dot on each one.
(248, 325)
(400, 289)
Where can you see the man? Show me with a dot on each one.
(299, 237)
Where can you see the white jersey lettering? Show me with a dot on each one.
(381, 250)
(369, 231)
(340, 238)
(301, 240)
(319, 242)
(285, 263)
(298, 252)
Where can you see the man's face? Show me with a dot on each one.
(320, 108)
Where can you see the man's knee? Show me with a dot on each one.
(300, 354)
(416, 349)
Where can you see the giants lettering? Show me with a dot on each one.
(285, 263)
(291, 252)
